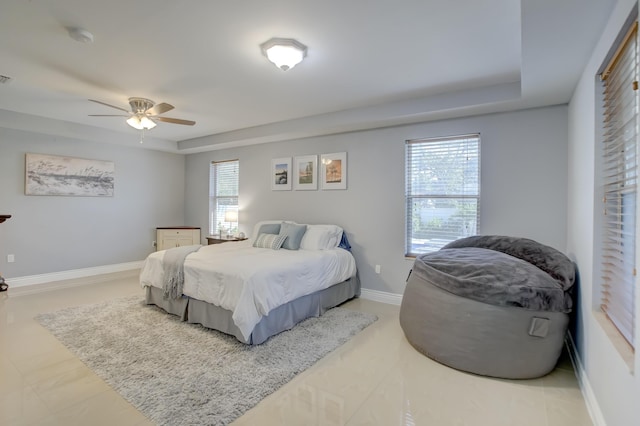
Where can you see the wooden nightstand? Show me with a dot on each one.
(217, 239)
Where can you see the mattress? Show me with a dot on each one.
(250, 281)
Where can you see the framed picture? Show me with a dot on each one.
(305, 172)
(334, 171)
(281, 174)
(55, 175)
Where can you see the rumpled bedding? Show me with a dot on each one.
(503, 271)
(250, 281)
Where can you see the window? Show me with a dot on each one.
(619, 184)
(223, 195)
(442, 191)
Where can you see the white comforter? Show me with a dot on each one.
(250, 281)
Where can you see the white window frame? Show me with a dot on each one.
(220, 203)
(417, 193)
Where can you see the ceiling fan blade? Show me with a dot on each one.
(175, 120)
(108, 115)
(159, 109)
(112, 106)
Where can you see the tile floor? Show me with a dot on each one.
(376, 378)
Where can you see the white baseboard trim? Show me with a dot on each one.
(587, 391)
(381, 296)
(63, 277)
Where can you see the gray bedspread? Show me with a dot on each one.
(503, 271)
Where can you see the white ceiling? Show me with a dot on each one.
(370, 63)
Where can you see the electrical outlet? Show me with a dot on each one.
(11, 258)
(377, 269)
(153, 243)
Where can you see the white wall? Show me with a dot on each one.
(524, 157)
(615, 388)
(50, 234)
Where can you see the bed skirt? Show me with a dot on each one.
(154, 296)
(279, 319)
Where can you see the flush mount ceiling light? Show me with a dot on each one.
(285, 53)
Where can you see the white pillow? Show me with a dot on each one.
(314, 239)
(321, 237)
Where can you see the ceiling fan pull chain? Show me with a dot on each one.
(142, 135)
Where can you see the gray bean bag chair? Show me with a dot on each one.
(490, 305)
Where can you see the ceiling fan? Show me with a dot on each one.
(144, 113)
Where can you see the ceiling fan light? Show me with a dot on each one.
(147, 123)
(285, 53)
(134, 121)
(141, 123)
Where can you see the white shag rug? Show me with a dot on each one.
(184, 374)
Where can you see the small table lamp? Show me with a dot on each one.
(230, 216)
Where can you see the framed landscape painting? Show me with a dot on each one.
(55, 175)
(334, 171)
(306, 174)
(281, 174)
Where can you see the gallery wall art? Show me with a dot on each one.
(334, 171)
(281, 174)
(306, 174)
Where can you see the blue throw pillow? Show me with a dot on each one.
(269, 228)
(294, 234)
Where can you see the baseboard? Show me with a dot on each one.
(381, 296)
(587, 391)
(72, 278)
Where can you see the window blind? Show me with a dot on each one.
(223, 194)
(442, 194)
(619, 181)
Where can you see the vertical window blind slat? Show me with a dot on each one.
(619, 183)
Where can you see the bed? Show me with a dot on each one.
(259, 287)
